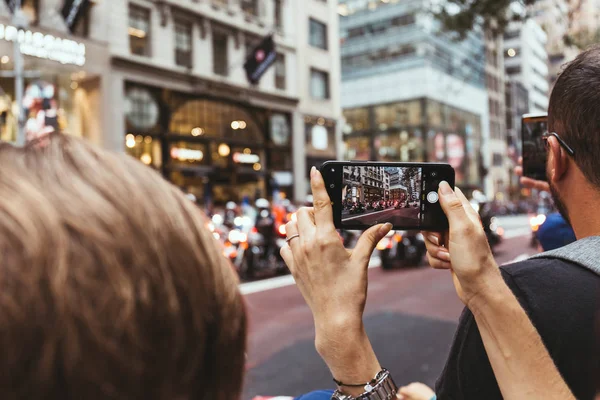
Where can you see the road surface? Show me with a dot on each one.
(411, 317)
(402, 216)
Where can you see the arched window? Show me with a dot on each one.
(214, 119)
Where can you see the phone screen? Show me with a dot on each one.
(404, 194)
(534, 127)
(373, 195)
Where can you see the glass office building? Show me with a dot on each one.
(409, 91)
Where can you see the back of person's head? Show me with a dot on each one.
(111, 287)
(555, 232)
(574, 111)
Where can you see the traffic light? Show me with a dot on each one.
(260, 59)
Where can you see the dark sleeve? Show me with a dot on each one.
(468, 373)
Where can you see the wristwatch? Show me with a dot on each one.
(384, 388)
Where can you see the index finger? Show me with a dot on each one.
(321, 201)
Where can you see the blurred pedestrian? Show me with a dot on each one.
(555, 233)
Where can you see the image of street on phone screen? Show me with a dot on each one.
(375, 195)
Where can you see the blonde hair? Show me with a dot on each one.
(111, 287)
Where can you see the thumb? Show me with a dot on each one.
(452, 206)
(368, 240)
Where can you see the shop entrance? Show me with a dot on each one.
(217, 150)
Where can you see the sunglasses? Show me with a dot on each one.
(562, 143)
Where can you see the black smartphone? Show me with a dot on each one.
(533, 129)
(366, 193)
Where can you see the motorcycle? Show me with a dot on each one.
(401, 249)
(357, 209)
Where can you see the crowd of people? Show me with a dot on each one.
(350, 207)
(112, 287)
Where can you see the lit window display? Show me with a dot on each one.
(54, 102)
(217, 150)
(398, 133)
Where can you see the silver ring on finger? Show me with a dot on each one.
(288, 240)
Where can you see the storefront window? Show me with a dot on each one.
(403, 146)
(320, 140)
(145, 148)
(53, 102)
(357, 119)
(248, 157)
(358, 148)
(280, 160)
(398, 115)
(213, 119)
(434, 113)
(186, 154)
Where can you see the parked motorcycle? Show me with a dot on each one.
(401, 249)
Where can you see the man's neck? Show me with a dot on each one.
(584, 210)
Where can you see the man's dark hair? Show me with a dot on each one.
(574, 111)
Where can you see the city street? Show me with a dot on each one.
(403, 216)
(411, 316)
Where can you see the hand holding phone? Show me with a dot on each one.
(404, 194)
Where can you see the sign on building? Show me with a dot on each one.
(72, 11)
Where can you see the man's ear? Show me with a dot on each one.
(558, 160)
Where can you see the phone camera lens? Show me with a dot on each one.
(434, 174)
(332, 185)
(332, 169)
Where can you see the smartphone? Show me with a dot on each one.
(365, 193)
(533, 129)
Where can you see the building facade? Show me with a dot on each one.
(183, 103)
(517, 104)
(365, 184)
(66, 68)
(498, 178)
(526, 61)
(409, 92)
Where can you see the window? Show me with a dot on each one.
(512, 34)
(219, 40)
(139, 31)
(356, 32)
(403, 20)
(513, 70)
(278, 15)
(318, 34)
(183, 43)
(498, 160)
(319, 84)
(280, 71)
(250, 7)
